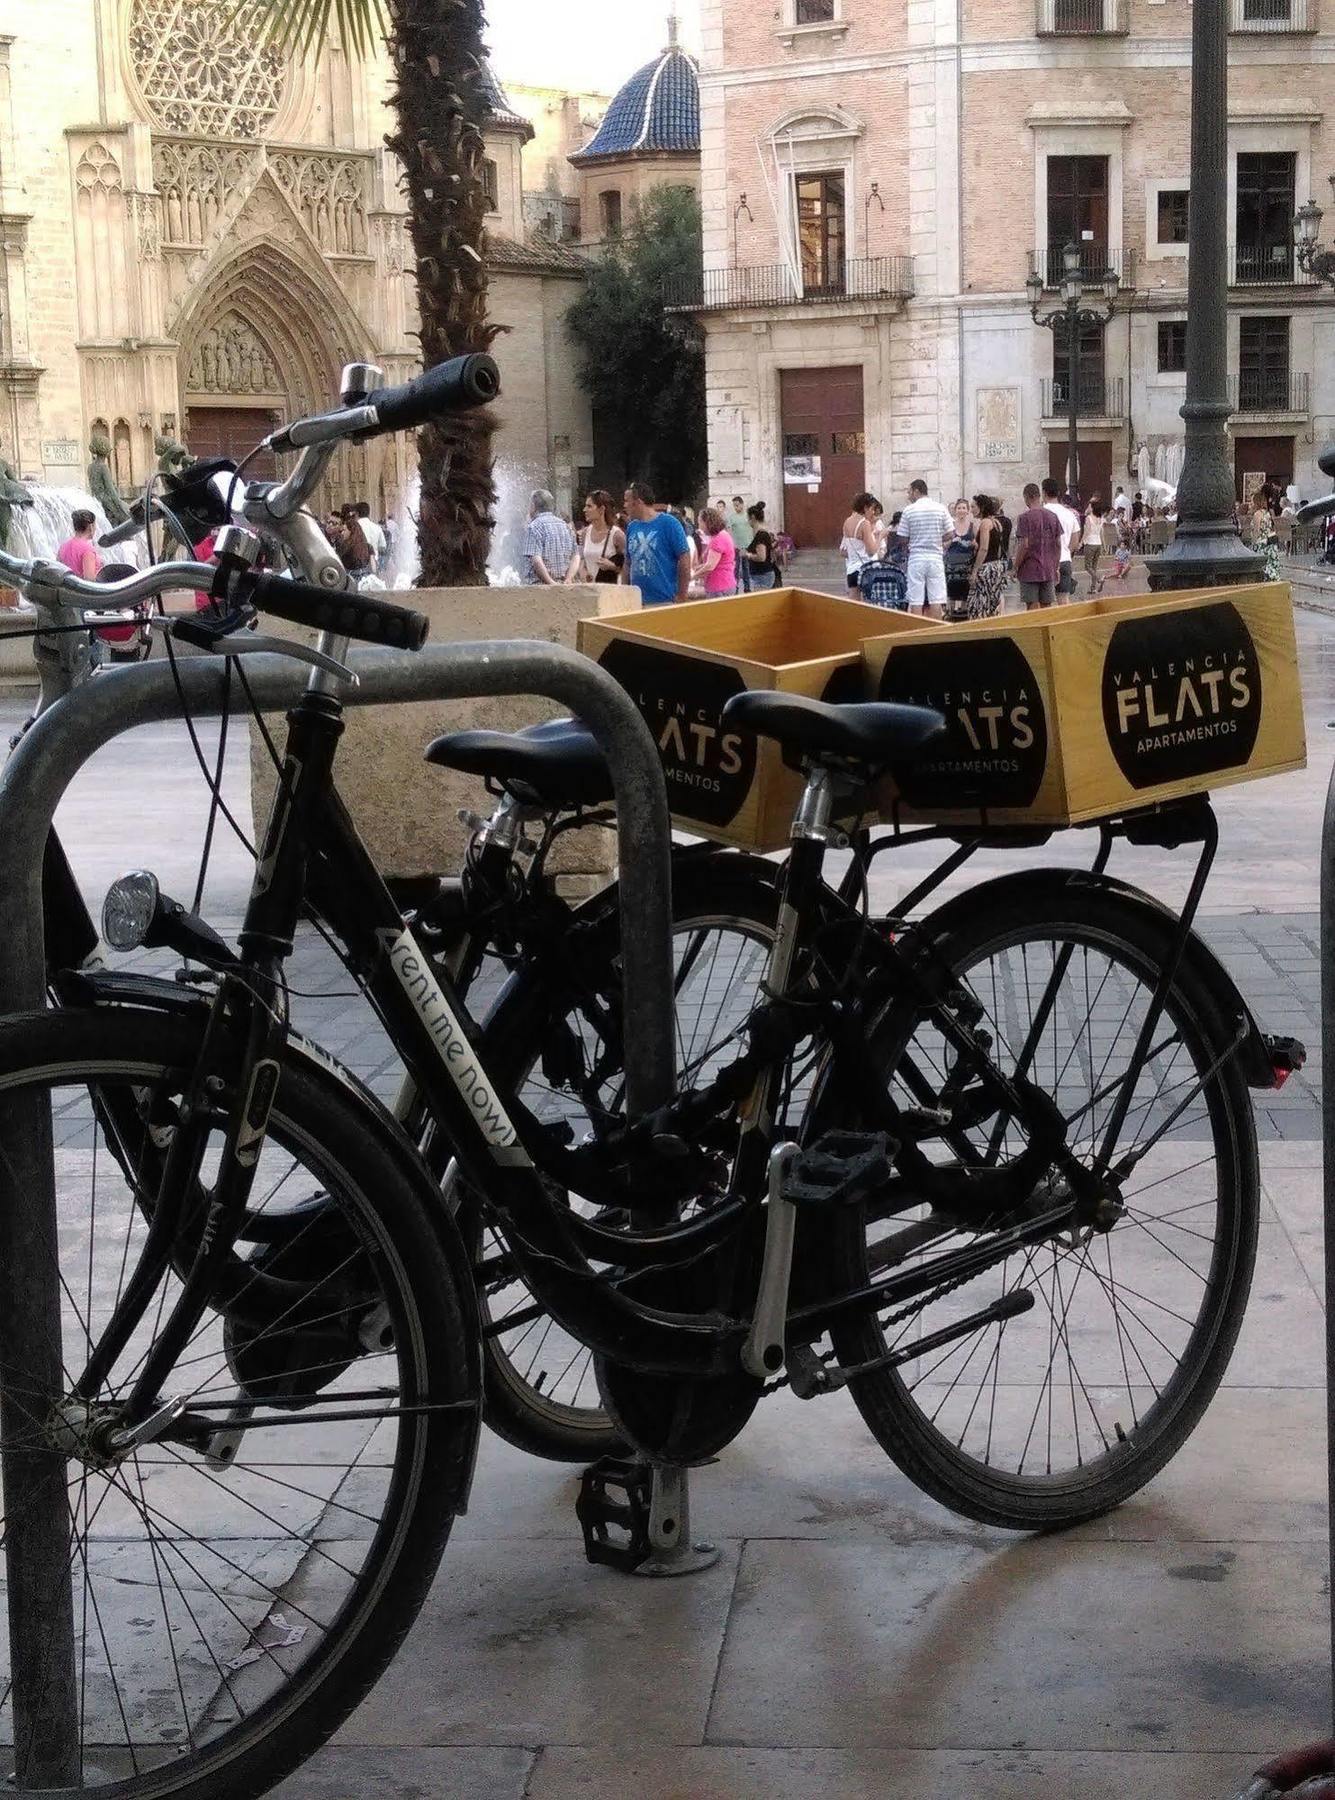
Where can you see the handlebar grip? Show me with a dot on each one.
(1316, 509)
(349, 614)
(454, 386)
(121, 534)
(1326, 461)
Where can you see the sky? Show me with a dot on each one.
(582, 44)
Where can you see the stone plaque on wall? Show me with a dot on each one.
(999, 425)
(60, 453)
(728, 445)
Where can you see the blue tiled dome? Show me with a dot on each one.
(657, 110)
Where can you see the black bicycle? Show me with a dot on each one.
(997, 1175)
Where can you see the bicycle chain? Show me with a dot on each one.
(891, 1319)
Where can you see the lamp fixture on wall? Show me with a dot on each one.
(737, 211)
(874, 193)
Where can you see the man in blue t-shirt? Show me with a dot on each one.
(658, 552)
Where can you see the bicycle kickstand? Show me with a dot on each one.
(649, 1505)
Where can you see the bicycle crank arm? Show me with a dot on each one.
(762, 1353)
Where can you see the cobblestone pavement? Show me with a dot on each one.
(857, 1641)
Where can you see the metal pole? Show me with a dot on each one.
(1073, 395)
(1328, 1152)
(37, 1554)
(1207, 550)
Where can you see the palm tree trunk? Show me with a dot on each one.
(439, 100)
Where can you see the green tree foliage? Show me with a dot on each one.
(644, 370)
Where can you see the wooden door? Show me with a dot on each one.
(1095, 469)
(1077, 212)
(232, 431)
(1271, 457)
(824, 450)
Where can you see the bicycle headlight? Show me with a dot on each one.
(129, 910)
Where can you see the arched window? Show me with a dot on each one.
(609, 212)
(491, 184)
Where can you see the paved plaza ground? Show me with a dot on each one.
(855, 1639)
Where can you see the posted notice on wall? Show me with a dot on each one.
(801, 471)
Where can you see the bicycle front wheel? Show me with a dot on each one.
(241, 1576)
(1059, 1413)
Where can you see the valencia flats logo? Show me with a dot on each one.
(996, 748)
(1182, 695)
(709, 771)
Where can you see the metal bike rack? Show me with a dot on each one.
(1328, 1150)
(38, 1554)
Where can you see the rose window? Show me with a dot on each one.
(203, 68)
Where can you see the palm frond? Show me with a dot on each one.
(304, 25)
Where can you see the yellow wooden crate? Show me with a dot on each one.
(1081, 712)
(682, 664)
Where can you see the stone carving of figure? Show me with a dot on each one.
(256, 371)
(226, 364)
(102, 483)
(172, 457)
(322, 223)
(208, 357)
(358, 226)
(12, 494)
(192, 218)
(175, 223)
(341, 226)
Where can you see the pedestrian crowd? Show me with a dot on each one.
(668, 552)
(362, 543)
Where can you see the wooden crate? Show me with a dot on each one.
(682, 664)
(1080, 712)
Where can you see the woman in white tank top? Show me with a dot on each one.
(602, 543)
(859, 544)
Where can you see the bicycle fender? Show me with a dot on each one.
(1258, 1060)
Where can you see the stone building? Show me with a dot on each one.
(197, 231)
(880, 178)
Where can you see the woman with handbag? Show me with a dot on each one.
(601, 549)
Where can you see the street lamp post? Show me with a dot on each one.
(1072, 317)
(1312, 259)
(1206, 550)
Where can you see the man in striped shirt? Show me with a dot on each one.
(549, 543)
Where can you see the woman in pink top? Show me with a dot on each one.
(79, 553)
(718, 565)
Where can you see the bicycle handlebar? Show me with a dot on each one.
(346, 613)
(1316, 509)
(459, 385)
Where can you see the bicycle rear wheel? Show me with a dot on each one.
(1060, 1413)
(242, 1579)
(541, 1393)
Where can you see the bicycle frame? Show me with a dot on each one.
(311, 840)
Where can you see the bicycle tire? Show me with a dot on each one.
(431, 1341)
(731, 894)
(1134, 937)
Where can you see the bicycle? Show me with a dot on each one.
(718, 1258)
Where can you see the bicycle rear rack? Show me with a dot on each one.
(40, 1601)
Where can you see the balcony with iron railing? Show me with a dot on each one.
(1266, 265)
(1083, 18)
(1097, 397)
(1272, 391)
(1095, 262)
(1272, 16)
(775, 284)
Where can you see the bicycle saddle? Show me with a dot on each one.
(878, 733)
(557, 765)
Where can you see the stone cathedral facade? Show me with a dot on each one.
(197, 230)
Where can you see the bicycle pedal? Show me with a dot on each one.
(601, 1513)
(840, 1169)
